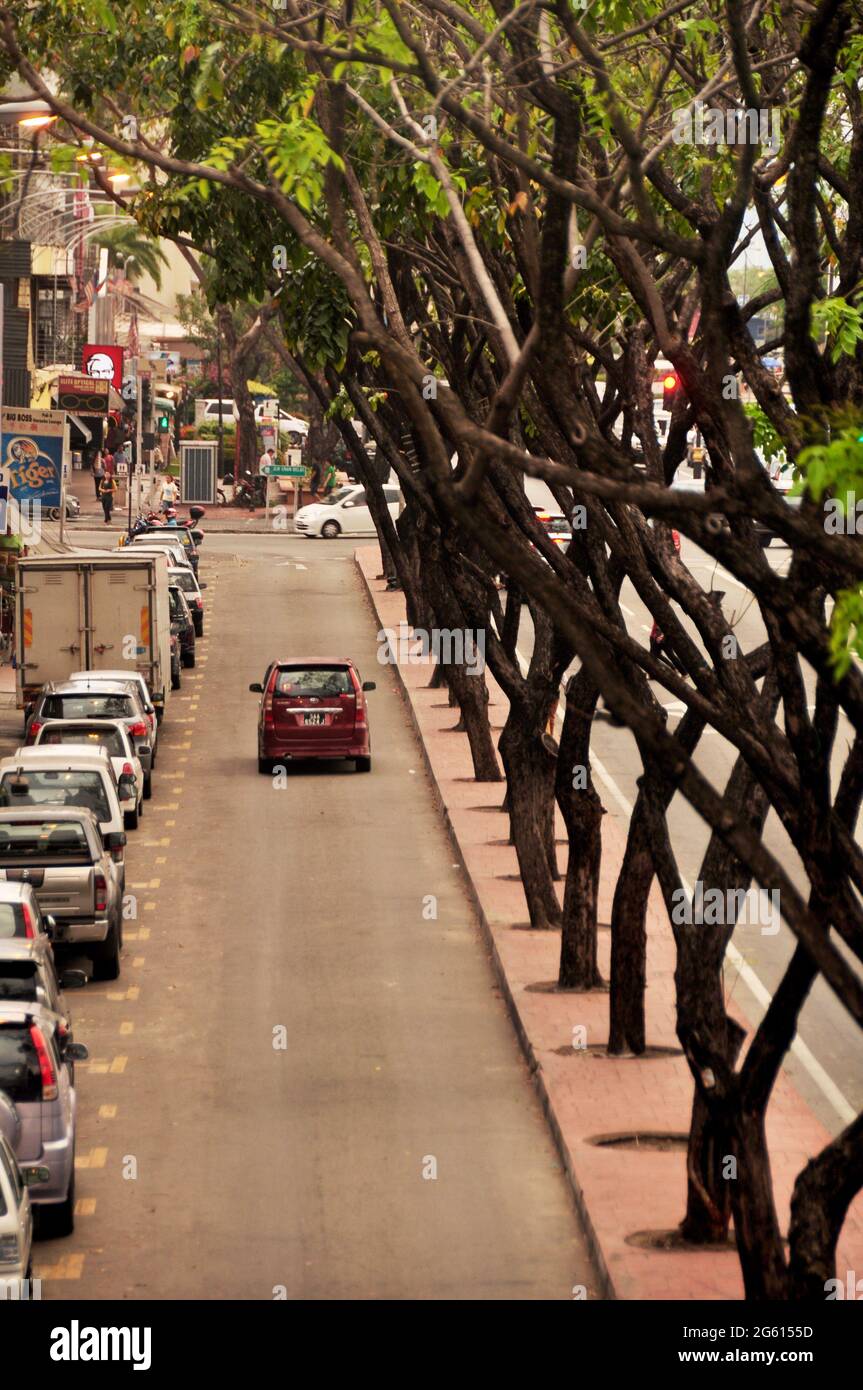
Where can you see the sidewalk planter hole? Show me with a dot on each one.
(674, 1241)
(552, 987)
(528, 926)
(508, 844)
(499, 809)
(640, 1139)
(650, 1053)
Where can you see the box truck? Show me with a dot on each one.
(89, 612)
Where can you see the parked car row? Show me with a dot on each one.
(68, 797)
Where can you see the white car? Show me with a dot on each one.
(143, 692)
(174, 548)
(344, 512)
(112, 735)
(16, 1213)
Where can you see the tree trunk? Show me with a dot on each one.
(530, 776)
(582, 812)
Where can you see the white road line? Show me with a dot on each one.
(826, 1085)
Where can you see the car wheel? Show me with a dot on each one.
(130, 819)
(265, 764)
(106, 956)
(176, 680)
(54, 513)
(199, 628)
(363, 764)
(330, 530)
(148, 786)
(189, 659)
(58, 1220)
(141, 806)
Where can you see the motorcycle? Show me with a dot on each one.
(251, 492)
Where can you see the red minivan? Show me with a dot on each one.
(313, 707)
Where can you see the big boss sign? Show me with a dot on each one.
(31, 458)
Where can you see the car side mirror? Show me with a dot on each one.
(369, 685)
(256, 688)
(50, 925)
(197, 537)
(73, 979)
(202, 586)
(75, 1052)
(115, 839)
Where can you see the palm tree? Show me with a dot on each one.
(132, 251)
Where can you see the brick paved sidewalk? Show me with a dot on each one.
(585, 1094)
(226, 519)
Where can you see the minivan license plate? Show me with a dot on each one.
(313, 719)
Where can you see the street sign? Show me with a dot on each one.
(86, 395)
(282, 470)
(122, 470)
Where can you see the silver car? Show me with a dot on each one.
(35, 1076)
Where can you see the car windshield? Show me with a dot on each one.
(11, 921)
(88, 706)
(111, 739)
(64, 841)
(185, 580)
(338, 496)
(557, 526)
(20, 1073)
(178, 608)
(315, 680)
(55, 789)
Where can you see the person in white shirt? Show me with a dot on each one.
(169, 493)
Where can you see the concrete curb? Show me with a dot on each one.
(536, 1071)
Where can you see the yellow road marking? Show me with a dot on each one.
(170, 822)
(118, 1066)
(137, 962)
(161, 859)
(131, 993)
(126, 1029)
(144, 933)
(96, 1158)
(85, 1206)
(70, 1267)
(149, 907)
(107, 1112)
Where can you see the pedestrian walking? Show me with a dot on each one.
(169, 494)
(331, 478)
(98, 472)
(107, 488)
(315, 478)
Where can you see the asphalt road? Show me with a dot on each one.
(215, 1164)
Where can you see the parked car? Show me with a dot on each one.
(174, 550)
(313, 708)
(113, 736)
(171, 536)
(76, 774)
(345, 511)
(98, 699)
(183, 624)
(73, 509)
(35, 1076)
(16, 1207)
(176, 660)
(28, 975)
(187, 580)
(140, 681)
(21, 916)
(59, 850)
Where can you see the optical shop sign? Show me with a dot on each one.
(31, 456)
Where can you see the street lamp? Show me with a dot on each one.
(29, 115)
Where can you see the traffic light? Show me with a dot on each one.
(670, 387)
(164, 423)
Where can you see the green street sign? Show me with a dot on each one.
(282, 470)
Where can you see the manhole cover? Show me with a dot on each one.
(641, 1139)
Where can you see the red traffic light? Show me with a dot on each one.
(670, 383)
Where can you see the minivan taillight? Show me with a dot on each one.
(46, 1066)
(128, 770)
(101, 893)
(35, 726)
(138, 729)
(360, 716)
(268, 710)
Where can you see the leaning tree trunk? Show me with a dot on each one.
(582, 812)
(530, 774)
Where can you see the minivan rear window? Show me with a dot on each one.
(11, 921)
(20, 1074)
(315, 680)
(18, 981)
(87, 706)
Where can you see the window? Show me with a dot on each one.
(111, 739)
(11, 921)
(18, 980)
(58, 841)
(32, 788)
(391, 494)
(86, 706)
(185, 580)
(20, 1074)
(318, 681)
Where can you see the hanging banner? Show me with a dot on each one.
(31, 455)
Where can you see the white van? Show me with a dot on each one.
(344, 512)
